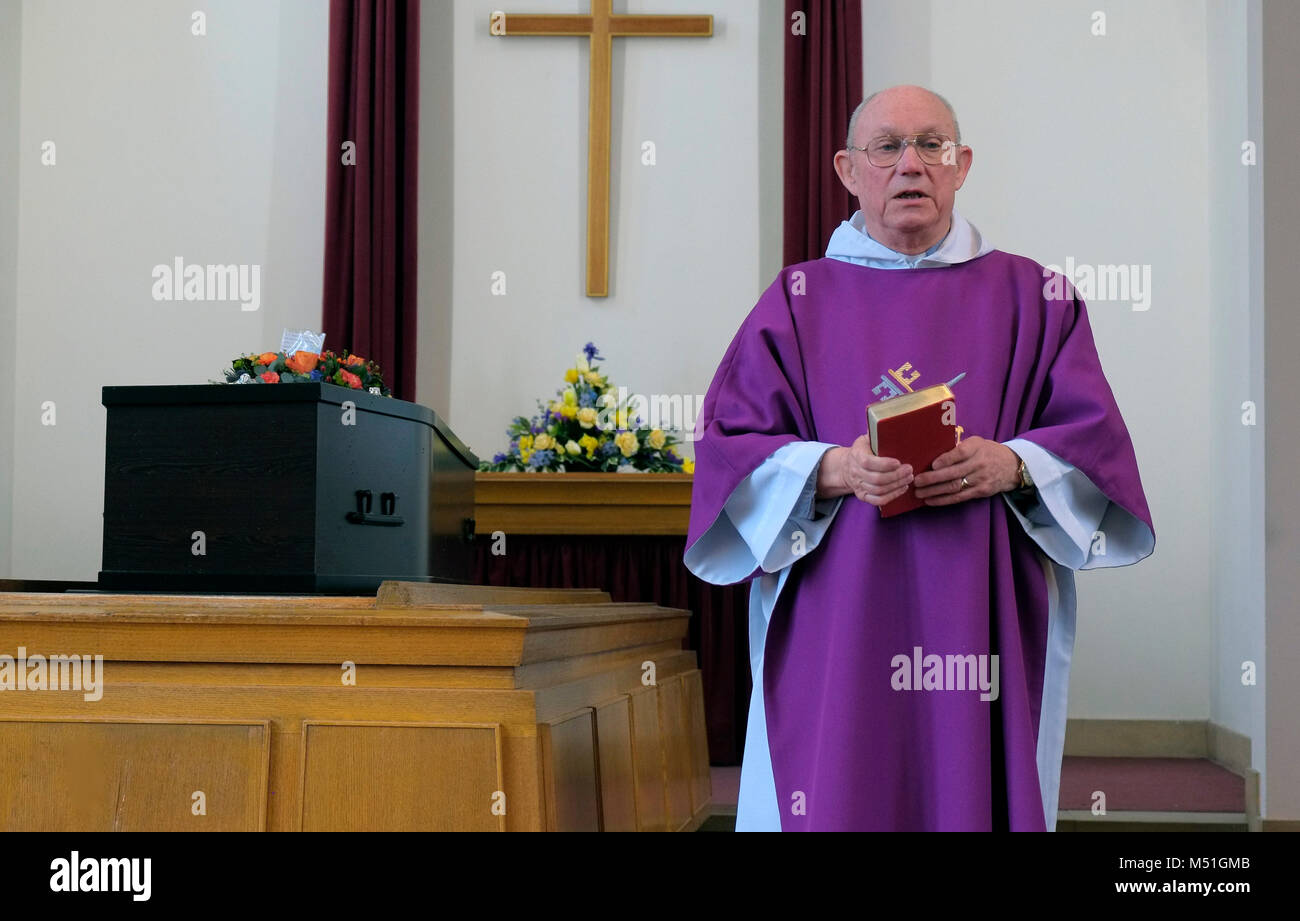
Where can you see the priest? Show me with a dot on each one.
(858, 719)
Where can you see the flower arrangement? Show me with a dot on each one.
(586, 429)
(346, 370)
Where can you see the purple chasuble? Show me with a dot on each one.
(848, 750)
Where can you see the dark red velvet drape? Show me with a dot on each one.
(823, 85)
(370, 206)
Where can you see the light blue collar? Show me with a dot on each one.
(852, 243)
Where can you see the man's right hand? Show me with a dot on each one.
(857, 471)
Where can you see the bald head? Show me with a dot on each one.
(904, 90)
(906, 205)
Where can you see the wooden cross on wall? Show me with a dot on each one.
(602, 26)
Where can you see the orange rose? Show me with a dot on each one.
(267, 358)
(354, 360)
(351, 380)
(270, 377)
(302, 362)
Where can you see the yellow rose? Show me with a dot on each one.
(587, 417)
(571, 376)
(543, 442)
(589, 444)
(627, 443)
(573, 448)
(656, 440)
(688, 466)
(569, 412)
(593, 378)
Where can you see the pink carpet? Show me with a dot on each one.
(1130, 785)
(1152, 785)
(726, 785)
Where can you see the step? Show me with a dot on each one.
(1150, 794)
(1142, 794)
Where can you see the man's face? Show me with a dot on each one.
(921, 217)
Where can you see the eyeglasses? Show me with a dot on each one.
(888, 150)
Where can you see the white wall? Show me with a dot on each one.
(1235, 213)
(686, 241)
(436, 215)
(1061, 122)
(10, 72)
(210, 148)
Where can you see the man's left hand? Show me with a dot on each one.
(988, 467)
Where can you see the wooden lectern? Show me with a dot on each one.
(429, 707)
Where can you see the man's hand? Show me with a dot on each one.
(989, 468)
(856, 471)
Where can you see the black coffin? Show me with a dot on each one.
(264, 488)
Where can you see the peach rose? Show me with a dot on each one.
(302, 362)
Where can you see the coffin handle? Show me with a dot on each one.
(387, 517)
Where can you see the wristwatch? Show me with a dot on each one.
(1026, 481)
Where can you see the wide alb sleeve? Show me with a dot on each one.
(1072, 520)
(1091, 510)
(772, 519)
(756, 405)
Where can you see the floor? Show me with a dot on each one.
(1140, 794)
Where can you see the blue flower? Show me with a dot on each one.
(608, 448)
(541, 458)
(316, 375)
(592, 352)
(587, 398)
(499, 459)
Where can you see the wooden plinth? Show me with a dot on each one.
(582, 503)
(471, 709)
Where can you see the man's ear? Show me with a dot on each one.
(844, 169)
(964, 161)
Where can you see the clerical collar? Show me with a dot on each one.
(852, 243)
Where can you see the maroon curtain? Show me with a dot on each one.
(823, 85)
(647, 569)
(370, 193)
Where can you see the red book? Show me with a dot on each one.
(915, 428)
